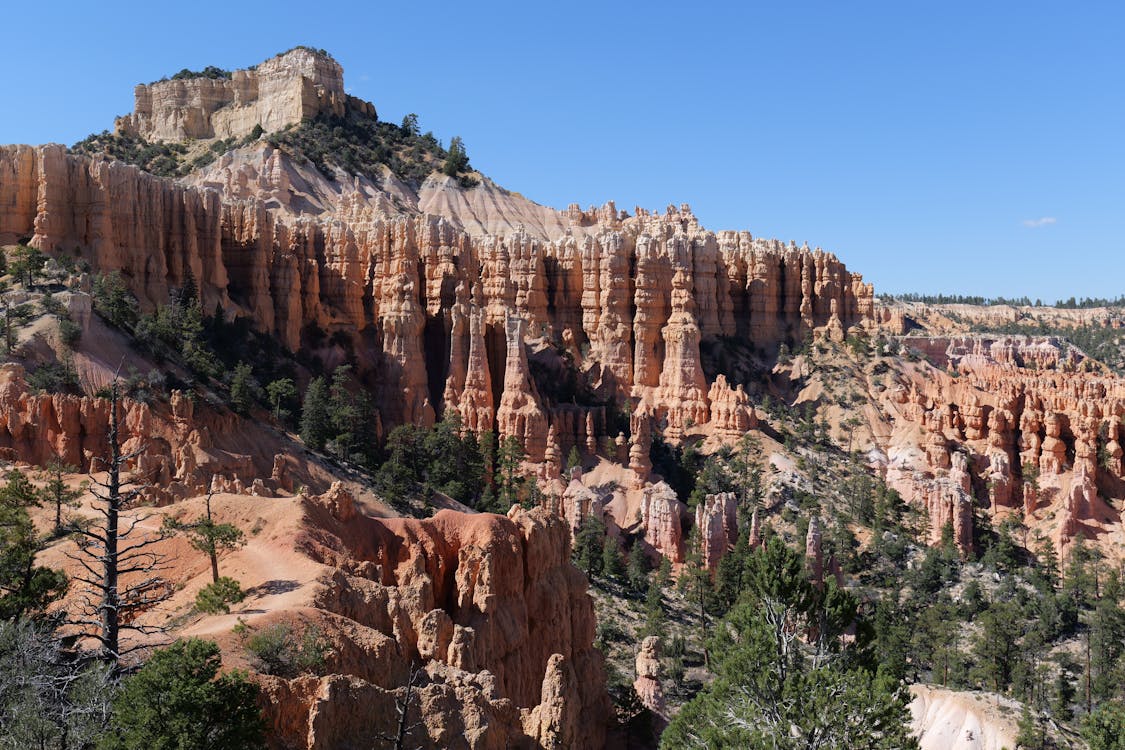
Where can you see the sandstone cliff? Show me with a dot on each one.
(489, 605)
(389, 283)
(297, 85)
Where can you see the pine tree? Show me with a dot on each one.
(509, 482)
(637, 567)
(589, 542)
(1031, 736)
(281, 391)
(55, 491)
(178, 699)
(612, 566)
(25, 588)
(997, 646)
(243, 388)
(343, 411)
(1104, 729)
(457, 159)
(786, 675)
(654, 608)
(316, 422)
(209, 537)
(1107, 648)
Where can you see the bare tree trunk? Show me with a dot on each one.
(110, 550)
(111, 601)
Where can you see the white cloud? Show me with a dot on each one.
(1043, 221)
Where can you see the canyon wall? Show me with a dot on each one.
(181, 449)
(418, 298)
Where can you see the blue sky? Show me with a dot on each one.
(963, 147)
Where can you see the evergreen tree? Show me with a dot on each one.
(637, 567)
(1031, 736)
(243, 388)
(457, 159)
(281, 392)
(343, 411)
(509, 482)
(25, 588)
(1107, 647)
(997, 648)
(612, 566)
(654, 608)
(787, 679)
(209, 537)
(1104, 728)
(589, 542)
(695, 583)
(1063, 704)
(113, 301)
(55, 491)
(729, 574)
(179, 701)
(316, 422)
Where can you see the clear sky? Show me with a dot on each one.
(960, 147)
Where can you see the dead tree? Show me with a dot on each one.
(403, 705)
(111, 548)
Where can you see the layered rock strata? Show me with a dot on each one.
(284, 90)
(639, 292)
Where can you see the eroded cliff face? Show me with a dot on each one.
(182, 449)
(1010, 424)
(489, 606)
(284, 90)
(639, 292)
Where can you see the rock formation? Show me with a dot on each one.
(491, 606)
(1021, 421)
(647, 684)
(358, 269)
(660, 519)
(183, 450)
(284, 90)
(716, 519)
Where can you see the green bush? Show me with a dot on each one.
(276, 651)
(69, 332)
(53, 377)
(215, 598)
(179, 701)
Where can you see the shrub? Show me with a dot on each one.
(179, 700)
(276, 651)
(53, 377)
(69, 332)
(218, 596)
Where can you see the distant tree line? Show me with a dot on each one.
(1070, 303)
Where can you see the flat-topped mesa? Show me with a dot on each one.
(284, 90)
